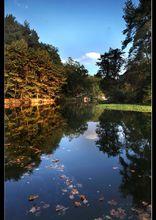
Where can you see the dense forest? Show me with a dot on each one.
(34, 69)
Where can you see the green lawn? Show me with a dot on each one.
(126, 107)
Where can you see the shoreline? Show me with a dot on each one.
(14, 103)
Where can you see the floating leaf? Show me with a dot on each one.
(63, 177)
(71, 186)
(68, 182)
(74, 191)
(145, 203)
(64, 190)
(55, 160)
(71, 196)
(32, 197)
(85, 201)
(77, 204)
(119, 213)
(82, 197)
(34, 209)
(60, 208)
(112, 202)
(101, 199)
(107, 217)
(133, 171)
(45, 206)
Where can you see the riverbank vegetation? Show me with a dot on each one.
(34, 69)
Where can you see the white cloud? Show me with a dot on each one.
(93, 55)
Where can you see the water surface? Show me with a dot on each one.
(105, 156)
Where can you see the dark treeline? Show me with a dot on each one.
(134, 86)
(34, 69)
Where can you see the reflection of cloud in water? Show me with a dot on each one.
(91, 131)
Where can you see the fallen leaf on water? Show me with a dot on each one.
(82, 197)
(71, 186)
(107, 217)
(68, 182)
(133, 171)
(112, 202)
(144, 216)
(60, 208)
(144, 203)
(77, 204)
(63, 177)
(85, 201)
(119, 213)
(61, 168)
(34, 209)
(32, 197)
(101, 199)
(55, 160)
(64, 190)
(45, 206)
(74, 191)
(71, 196)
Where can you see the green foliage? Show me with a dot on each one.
(32, 69)
(77, 77)
(134, 86)
(138, 69)
(110, 64)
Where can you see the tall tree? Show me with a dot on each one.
(110, 64)
(138, 35)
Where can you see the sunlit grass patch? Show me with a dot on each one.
(126, 107)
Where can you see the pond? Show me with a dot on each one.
(77, 162)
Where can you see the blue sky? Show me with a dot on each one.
(80, 29)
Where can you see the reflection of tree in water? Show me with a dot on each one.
(135, 143)
(108, 132)
(31, 132)
(76, 116)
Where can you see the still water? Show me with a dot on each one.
(77, 162)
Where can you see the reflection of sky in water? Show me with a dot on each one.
(121, 134)
(91, 131)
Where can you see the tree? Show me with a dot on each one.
(138, 34)
(110, 64)
(76, 75)
(13, 30)
(53, 53)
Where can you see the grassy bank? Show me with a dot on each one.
(126, 107)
